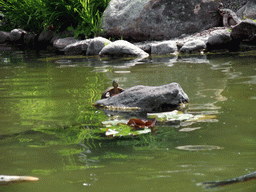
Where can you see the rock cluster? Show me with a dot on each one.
(146, 23)
(212, 39)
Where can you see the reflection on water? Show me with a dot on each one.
(198, 147)
(49, 126)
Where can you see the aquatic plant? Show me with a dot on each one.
(83, 16)
(180, 116)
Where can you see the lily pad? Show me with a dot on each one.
(119, 128)
(179, 116)
(115, 122)
(170, 116)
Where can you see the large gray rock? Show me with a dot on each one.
(4, 36)
(193, 46)
(122, 48)
(145, 46)
(45, 37)
(164, 48)
(148, 98)
(29, 39)
(62, 35)
(17, 35)
(219, 39)
(159, 19)
(96, 45)
(244, 30)
(248, 11)
(63, 42)
(77, 48)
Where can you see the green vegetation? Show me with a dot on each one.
(83, 16)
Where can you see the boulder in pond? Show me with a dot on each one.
(158, 19)
(17, 35)
(62, 35)
(145, 46)
(219, 39)
(4, 36)
(122, 48)
(245, 30)
(96, 45)
(164, 48)
(45, 37)
(29, 39)
(147, 98)
(193, 46)
(77, 48)
(63, 42)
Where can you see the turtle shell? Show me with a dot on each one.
(111, 92)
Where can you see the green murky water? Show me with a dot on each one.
(47, 124)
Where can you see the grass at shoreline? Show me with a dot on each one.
(84, 16)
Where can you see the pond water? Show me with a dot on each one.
(48, 122)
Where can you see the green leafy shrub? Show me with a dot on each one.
(83, 16)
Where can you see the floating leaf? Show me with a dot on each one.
(114, 122)
(170, 116)
(207, 118)
(121, 128)
(179, 116)
(111, 132)
(139, 124)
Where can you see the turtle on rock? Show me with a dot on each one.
(112, 91)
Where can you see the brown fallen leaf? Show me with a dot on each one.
(139, 124)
